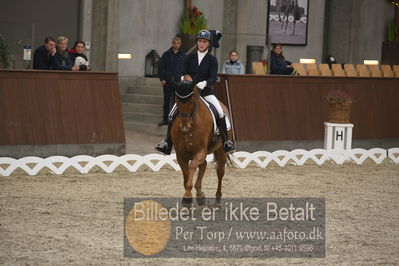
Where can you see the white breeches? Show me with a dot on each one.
(213, 100)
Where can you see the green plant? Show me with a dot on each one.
(193, 21)
(5, 57)
(393, 31)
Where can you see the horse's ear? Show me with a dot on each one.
(192, 84)
(174, 83)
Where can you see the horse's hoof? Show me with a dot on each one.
(217, 204)
(201, 201)
(187, 202)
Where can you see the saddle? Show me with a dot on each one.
(215, 114)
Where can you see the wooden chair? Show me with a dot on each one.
(361, 66)
(351, 72)
(300, 69)
(324, 66)
(387, 72)
(395, 67)
(325, 72)
(349, 67)
(258, 68)
(338, 72)
(376, 72)
(385, 67)
(363, 72)
(374, 68)
(313, 72)
(335, 67)
(311, 66)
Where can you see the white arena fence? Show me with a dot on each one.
(132, 162)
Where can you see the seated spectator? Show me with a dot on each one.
(233, 65)
(41, 56)
(61, 60)
(278, 64)
(78, 57)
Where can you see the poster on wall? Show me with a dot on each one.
(288, 21)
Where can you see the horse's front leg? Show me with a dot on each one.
(282, 23)
(198, 184)
(198, 159)
(183, 163)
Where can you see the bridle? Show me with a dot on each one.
(187, 98)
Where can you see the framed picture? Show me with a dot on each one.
(288, 21)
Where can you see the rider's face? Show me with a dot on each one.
(202, 45)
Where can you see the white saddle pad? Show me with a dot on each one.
(215, 127)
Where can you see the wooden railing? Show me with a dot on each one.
(294, 107)
(59, 107)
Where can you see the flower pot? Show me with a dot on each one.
(187, 41)
(339, 113)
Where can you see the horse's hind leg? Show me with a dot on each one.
(286, 23)
(293, 31)
(198, 184)
(221, 158)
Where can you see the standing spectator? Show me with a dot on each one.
(41, 56)
(170, 69)
(233, 65)
(61, 60)
(278, 64)
(78, 57)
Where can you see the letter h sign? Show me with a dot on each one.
(337, 136)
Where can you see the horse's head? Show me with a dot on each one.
(187, 99)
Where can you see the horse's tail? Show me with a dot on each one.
(232, 160)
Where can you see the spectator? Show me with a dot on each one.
(78, 57)
(41, 56)
(278, 64)
(61, 60)
(170, 69)
(233, 66)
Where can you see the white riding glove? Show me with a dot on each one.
(201, 85)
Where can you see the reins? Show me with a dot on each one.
(194, 111)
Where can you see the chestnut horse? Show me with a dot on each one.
(193, 139)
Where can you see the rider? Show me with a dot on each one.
(202, 67)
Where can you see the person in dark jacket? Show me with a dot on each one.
(61, 60)
(278, 64)
(170, 69)
(78, 57)
(202, 67)
(41, 56)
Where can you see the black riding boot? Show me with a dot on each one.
(228, 145)
(165, 146)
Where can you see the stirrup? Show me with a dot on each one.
(165, 149)
(228, 147)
